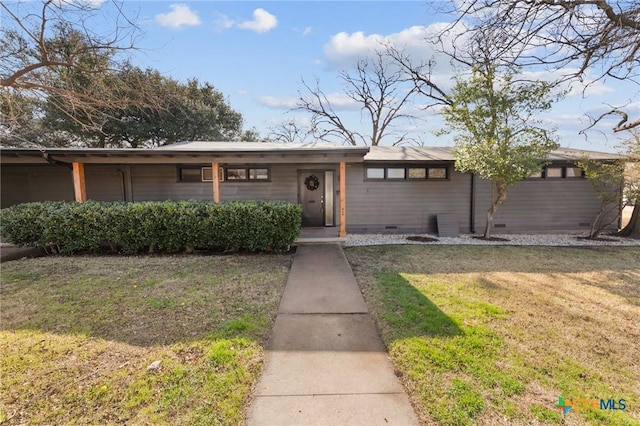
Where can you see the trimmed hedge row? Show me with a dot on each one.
(167, 226)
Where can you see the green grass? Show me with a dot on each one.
(494, 335)
(77, 335)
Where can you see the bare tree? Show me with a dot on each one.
(588, 40)
(49, 50)
(381, 91)
(289, 132)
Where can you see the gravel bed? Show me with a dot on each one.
(356, 240)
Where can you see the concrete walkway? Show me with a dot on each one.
(326, 364)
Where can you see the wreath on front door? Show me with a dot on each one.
(312, 182)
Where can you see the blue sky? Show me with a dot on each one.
(257, 53)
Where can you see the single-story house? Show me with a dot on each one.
(349, 189)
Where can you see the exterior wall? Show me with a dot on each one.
(283, 186)
(407, 205)
(104, 183)
(47, 182)
(25, 183)
(539, 205)
(160, 182)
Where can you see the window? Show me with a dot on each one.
(573, 172)
(190, 174)
(554, 172)
(375, 173)
(258, 174)
(417, 173)
(207, 174)
(559, 172)
(436, 172)
(236, 174)
(395, 173)
(245, 174)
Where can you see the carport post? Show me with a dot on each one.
(343, 199)
(79, 185)
(215, 171)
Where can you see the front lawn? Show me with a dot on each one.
(77, 335)
(495, 335)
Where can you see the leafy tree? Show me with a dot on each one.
(377, 87)
(163, 111)
(496, 134)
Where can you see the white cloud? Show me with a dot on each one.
(223, 22)
(275, 102)
(306, 31)
(83, 4)
(262, 22)
(338, 101)
(344, 49)
(90, 3)
(179, 16)
(301, 121)
(597, 88)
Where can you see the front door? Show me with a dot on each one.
(311, 184)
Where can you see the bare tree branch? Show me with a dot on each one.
(585, 40)
(50, 52)
(382, 92)
(622, 125)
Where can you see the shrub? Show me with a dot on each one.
(166, 226)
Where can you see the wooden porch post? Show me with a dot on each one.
(215, 171)
(79, 185)
(343, 199)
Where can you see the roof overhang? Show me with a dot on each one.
(177, 156)
(259, 153)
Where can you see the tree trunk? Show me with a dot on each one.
(596, 226)
(501, 188)
(632, 229)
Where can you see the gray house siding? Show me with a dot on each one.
(406, 205)
(539, 205)
(282, 186)
(105, 183)
(25, 183)
(49, 182)
(161, 182)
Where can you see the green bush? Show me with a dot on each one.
(166, 226)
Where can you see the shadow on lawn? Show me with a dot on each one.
(409, 312)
